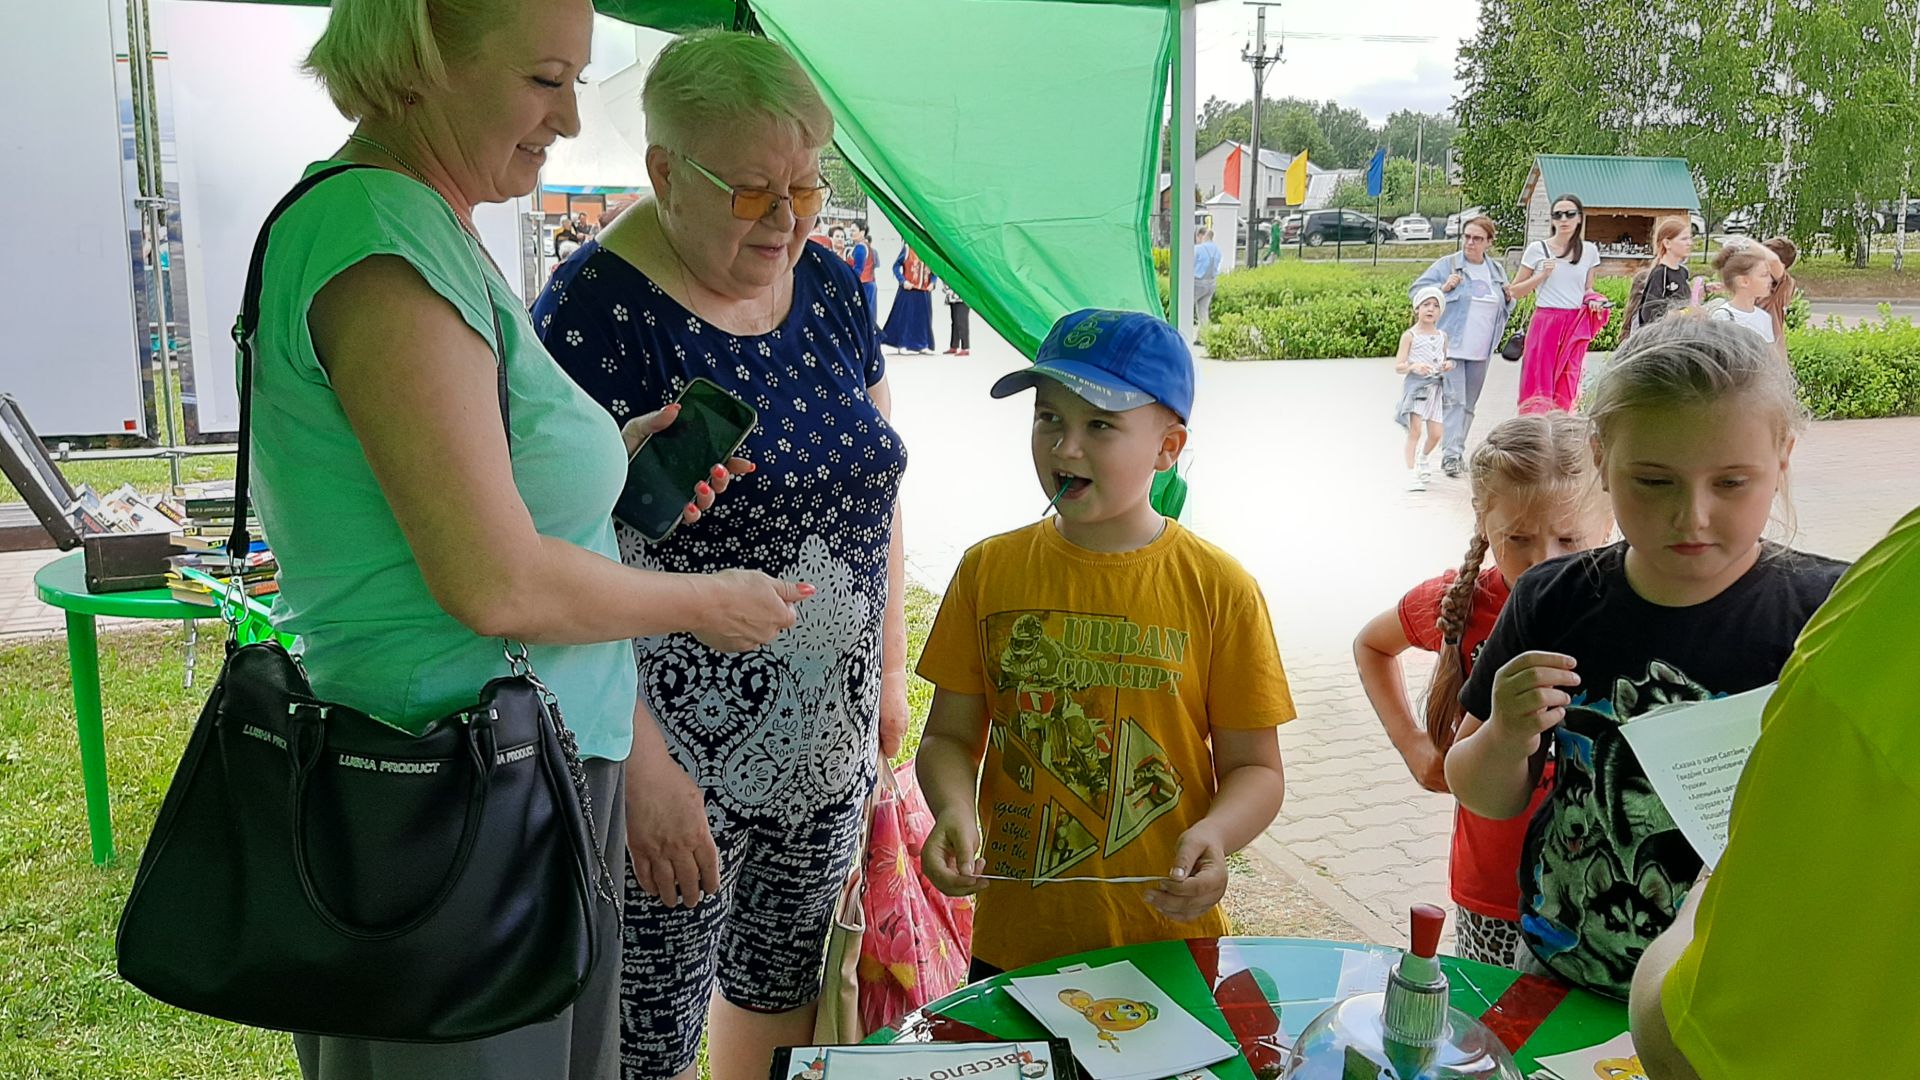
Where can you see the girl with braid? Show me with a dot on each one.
(1536, 495)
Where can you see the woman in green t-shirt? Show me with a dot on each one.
(412, 533)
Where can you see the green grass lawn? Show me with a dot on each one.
(147, 475)
(64, 1013)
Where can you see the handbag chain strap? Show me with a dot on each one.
(576, 769)
(241, 542)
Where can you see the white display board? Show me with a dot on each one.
(247, 121)
(69, 352)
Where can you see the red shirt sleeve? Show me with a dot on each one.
(1420, 612)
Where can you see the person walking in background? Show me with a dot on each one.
(1423, 360)
(1669, 284)
(910, 323)
(1566, 314)
(1785, 254)
(1746, 273)
(1475, 313)
(860, 256)
(960, 340)
(1206, 271)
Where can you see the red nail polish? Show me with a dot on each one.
(704, 489)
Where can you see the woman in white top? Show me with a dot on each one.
(1747, 272)
(1560, 268)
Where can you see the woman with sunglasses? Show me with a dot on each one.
(1567, 312)
(1475, 312)
(713, 277)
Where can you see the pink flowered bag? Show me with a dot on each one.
(917, 941)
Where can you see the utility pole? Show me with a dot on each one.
(1419, 134)
(1906, 164)
(1261, 60)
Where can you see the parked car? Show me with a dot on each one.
(1741, 220)
(1413, 227)
(1454, 220)
(1328, 226)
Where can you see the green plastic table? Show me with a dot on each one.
(63, 584)
(1258, 993)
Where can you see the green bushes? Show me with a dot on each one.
(1870, 371)
(1295, 312)
(1292, 311)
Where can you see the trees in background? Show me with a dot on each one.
(1801, 108)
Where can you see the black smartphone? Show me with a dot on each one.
(661, 474)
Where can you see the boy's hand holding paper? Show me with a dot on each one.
(1198, 879)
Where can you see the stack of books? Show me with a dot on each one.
(256, 575)
(205, 527)
(124, 511)
(207, 517)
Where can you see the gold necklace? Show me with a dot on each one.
(465, 224)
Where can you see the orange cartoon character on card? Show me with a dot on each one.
(1620, 1069)
(1110, 1016)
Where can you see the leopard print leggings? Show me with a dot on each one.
(1492, 941)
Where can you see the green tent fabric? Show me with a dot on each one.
(1014, 142)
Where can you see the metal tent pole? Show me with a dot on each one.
(1185, 87)
(153, 203)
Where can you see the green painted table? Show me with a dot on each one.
(63, 584)
(1258, 993)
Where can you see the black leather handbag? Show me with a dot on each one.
(316, 870)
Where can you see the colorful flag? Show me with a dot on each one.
(1297, 180)
(1377, 173)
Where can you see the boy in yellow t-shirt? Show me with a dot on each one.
(1115, 674)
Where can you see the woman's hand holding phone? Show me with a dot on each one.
(637, 431)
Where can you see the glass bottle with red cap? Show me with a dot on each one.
(1407, 1033)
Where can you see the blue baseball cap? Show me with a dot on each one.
(1116, 360)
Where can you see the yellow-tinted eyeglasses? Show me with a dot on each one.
(752, 204)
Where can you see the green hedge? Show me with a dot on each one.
(1292, 311)
(1870, 371)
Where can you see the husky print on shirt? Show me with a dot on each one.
(1604, 869)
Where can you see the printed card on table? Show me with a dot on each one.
(1030, 1060)
(1612, 1060)
(1121, 1025)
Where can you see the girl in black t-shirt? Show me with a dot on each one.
(1668, 284)
(1694, 425)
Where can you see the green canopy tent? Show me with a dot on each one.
(1016, 143)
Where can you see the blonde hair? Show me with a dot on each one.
(720, 80)
(1738, 260)
(1540, 458)
(1691, 361)
(374, 54)
(1669, 230)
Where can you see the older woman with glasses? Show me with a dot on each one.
(714, 278)
(1474, 316)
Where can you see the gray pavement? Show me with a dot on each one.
(1852, 313)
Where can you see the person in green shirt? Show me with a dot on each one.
(1797, 958)
(413, 534)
